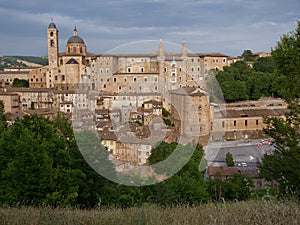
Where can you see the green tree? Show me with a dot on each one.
(2, 117)
(260, 84)
(20, 83)
(40, 163)
(286, 55)
(265, 65)
(283, 165)
(165, 113)
(184, 187)
(238, 187)
(240, 82)
(248, 55)
(229, 159)
(35, 166)
(232, 81)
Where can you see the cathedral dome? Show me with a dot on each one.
(75, 39)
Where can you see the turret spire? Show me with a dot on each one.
(75, 31)
(161, 49)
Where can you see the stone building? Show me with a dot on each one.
(159, 71)
(11, 103)
(34, 98)
(9, 74)
(66, 70)
(244, 120)
(190, 110)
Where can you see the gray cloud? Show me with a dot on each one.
(224, 26)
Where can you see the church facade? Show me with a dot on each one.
(64, 70)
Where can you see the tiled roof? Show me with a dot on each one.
(222, 171)
(72, 61)
(232, 113)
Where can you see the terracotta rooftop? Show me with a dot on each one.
(222, 171)
(231, 113)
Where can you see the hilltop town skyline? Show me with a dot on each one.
(206, 26)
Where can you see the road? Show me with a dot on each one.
(242, 152)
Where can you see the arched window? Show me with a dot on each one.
(80, 49)
(52, 43)
(51, 34)
(74, 49)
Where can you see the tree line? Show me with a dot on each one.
(41, 164)
(241, 82)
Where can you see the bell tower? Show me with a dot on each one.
(52, 36)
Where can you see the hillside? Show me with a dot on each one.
(22, 61)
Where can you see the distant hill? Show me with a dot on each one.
(22, 61)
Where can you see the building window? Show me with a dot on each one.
(74, 49)
(223, 124)
(134, 79)
(234, 123)
(51, 43)
(63, 77)
(142, 70)
(129, 70)
(51, 34)
(246, 122)
(256, 122)
(115, 79)
(80, 49)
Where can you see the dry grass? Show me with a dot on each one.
(251, 212)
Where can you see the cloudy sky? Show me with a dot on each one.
(222, 26)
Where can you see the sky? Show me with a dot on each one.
(228, 27)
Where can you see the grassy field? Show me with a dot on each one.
(250, 212)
